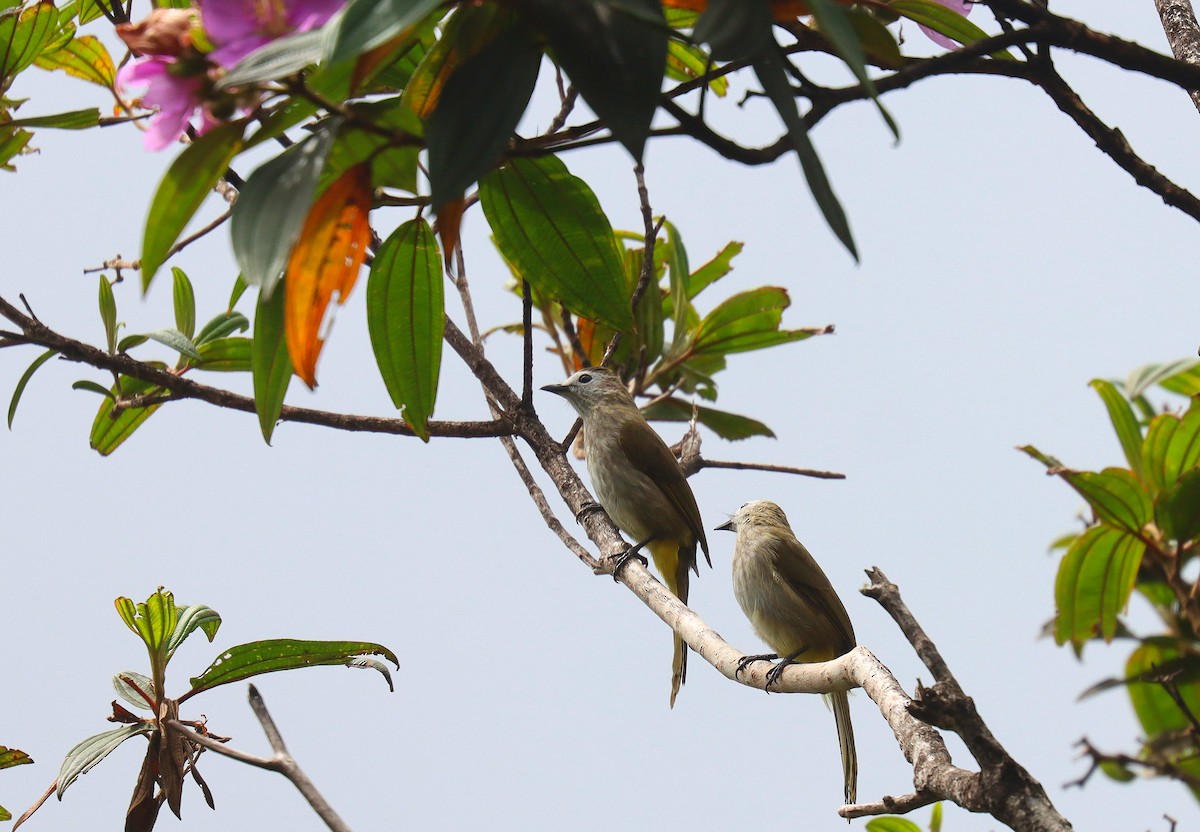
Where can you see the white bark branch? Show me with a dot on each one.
(1183, 33)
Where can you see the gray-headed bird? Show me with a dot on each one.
(793, 608)
(639, 483)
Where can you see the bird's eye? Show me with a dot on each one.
(585, 378)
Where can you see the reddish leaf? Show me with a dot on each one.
(449, 220)
(326, 259)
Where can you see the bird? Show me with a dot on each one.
(792, 607)
(640, 483)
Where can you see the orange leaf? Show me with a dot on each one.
(781, 9)
(449, 220)
(326, 259)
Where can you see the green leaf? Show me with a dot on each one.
(835, 23)
(366, 24)
(84, 57)
(92, 387)
(478, 110)
(685, 62)
(1165, 721)
(136, 689)
(1114, 494)
(944, 21)
(154, 621)
(1095, 580)
(24, 380)
(468, 29)
(239, 288)
(1116, 770)
(735, 29)
(110, 429)
(84, 756)
(1124, 422)
(177, 341)
(271, 208)
(1185, 382)
(108, 313)
(406, 319)
(716, 268)
(1171, 447)
(549, 226)
(130, 341)
(747, 321)
(185, 303)
(768, 66)
(392, 165)
(247, 660)
(196, 616)
(270, 363)
(615, 54)
(222, 325)
(1143, 378)
(10, 757)
(681, 276)
(189, 179)
(1177, 508)
(73, 120)
(278, 59)
(892, 824)
(22, 37)
(731, 426)
(12, 143)
(648, 317)
(226, 355)
(935, 817)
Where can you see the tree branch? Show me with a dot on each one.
(181, 387)
(281, 761)
(1183, 33)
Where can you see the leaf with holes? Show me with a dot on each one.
(324, 263)
(247, 660)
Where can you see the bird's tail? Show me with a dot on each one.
(674, 570)
(841, 715)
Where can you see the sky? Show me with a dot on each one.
(1005, 262)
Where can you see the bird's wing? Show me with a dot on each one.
(803, 576)
(647, 453)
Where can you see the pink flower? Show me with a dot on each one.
(963, 7)
(238, 27)
(176, 95)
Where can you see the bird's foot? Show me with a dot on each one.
(587, 509)
(629, 554)
(745, 661)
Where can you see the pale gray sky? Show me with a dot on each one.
(1005, 263)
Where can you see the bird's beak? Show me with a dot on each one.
(727, 526)
(556, 389)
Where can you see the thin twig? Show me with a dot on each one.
(777, 469)
(281, 762)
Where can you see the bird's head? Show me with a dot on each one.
(593, 388)
(755, 512)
